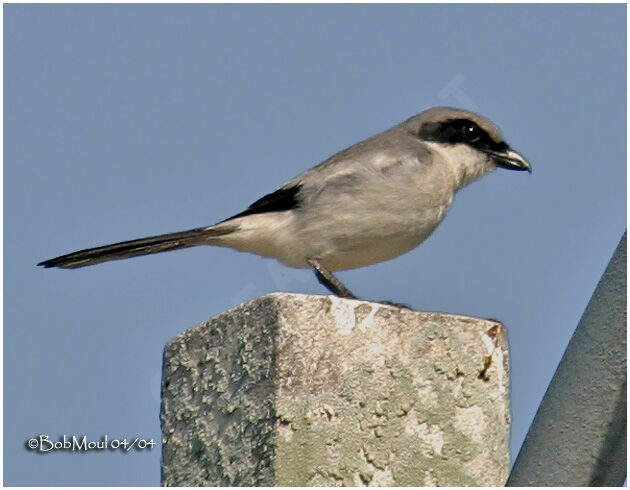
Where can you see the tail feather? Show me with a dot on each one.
(142, 246)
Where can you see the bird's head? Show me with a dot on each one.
(470, 142)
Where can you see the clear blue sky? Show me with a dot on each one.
(122, 121)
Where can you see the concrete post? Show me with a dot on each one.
(303, 390)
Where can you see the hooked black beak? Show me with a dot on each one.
(510, 159)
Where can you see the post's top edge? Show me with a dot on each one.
(281, 299)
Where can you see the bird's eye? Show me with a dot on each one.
(471, 132)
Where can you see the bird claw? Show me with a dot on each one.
(403, 306)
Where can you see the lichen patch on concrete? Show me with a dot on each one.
(350, 314)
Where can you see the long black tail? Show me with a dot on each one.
(142, 246)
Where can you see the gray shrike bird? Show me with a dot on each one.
(371, 202)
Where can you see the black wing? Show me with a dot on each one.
(284, 199)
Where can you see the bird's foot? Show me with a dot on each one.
(404, 306)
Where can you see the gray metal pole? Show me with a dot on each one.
(578, 437)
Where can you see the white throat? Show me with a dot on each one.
(466, 164)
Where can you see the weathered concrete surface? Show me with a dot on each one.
(296, 390)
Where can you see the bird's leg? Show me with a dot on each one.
(325, 277)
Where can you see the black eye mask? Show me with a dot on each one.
(460, 131)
